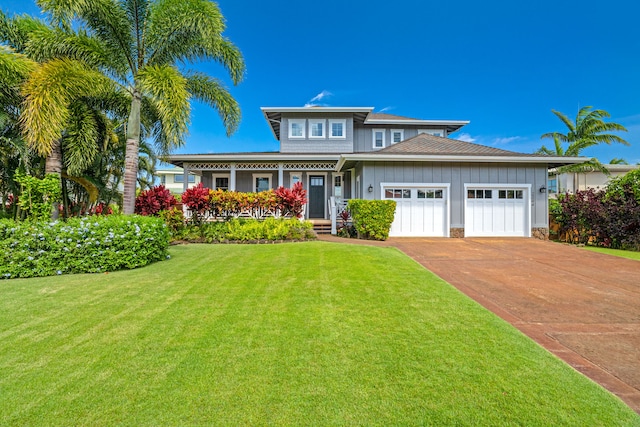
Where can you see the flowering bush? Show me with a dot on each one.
(610, 219)
(80, 245)
(154, 200)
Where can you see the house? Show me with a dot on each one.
(442, 186)
(571, 181)
(173, 179)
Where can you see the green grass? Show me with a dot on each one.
(615, 252)
(293, 334)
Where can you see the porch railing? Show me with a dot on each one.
(336, 207)
(249, 213)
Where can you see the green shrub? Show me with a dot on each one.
(251, 230)
(372, 218)
(80, 245)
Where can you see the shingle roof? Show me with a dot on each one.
(429, 144)
(385, 116)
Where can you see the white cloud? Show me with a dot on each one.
(465, 137)
(319, 97)
(386, 109)
(504, 141)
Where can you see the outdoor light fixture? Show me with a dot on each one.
(543, 189)
(370, 188)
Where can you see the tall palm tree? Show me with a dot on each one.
(139, 44)
(589, 129)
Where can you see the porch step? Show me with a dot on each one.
(321, 226)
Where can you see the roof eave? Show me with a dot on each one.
(550, 161)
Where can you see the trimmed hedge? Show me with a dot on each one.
(80, 245)
(372, 218)
(250, 231)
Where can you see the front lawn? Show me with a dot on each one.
(291, 334)
(615, 252)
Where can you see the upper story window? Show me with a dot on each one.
(337, 129)
(296, 128)
(378, 138)
(434, 132)
(317, 128)
(397, 135)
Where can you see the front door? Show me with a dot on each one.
(316, 196)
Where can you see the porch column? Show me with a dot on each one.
(353, 183)
(280, 175)
(232, 177)
(185, 176)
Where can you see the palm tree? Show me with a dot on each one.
(589, 129)
(618, 161)
(138, 44)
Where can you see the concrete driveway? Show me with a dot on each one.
(582, 306)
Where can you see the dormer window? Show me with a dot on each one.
(317, 128)
(337, 129)
(397, 135)
(378, 138)
(434, 132)
(296, 128)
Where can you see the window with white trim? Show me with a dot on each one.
(337, 129)
(295, 178)
(378, 138)
(317, 128)
(479, 194)
(397, 135)
(434, 132)
(297, 128)
(337, 185)
(261, 182)
(180, 178)
(220, 181)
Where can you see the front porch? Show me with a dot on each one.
(319, 178)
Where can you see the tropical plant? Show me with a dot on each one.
(618, 161)
(153, 201)
(588, 129)
(139, 45)
(291, 201)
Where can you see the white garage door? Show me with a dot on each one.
(420, 211)
(497, 212)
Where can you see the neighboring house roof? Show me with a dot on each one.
(426, 147)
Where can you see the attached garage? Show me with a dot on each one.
(497, 211)
(421, 209)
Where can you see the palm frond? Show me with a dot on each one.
(166, 87)
(49, 92)
(188, 30)
(213, 92)
(564, 119)
(106, 19)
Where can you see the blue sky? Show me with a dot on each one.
(502, 65)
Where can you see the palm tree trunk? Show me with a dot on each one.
(53, 164)
(131, 155)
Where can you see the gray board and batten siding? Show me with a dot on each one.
(458, 174)
(316, 145)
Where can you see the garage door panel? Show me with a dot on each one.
(419, 211)
(496, 212)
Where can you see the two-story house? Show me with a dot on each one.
(442, 186)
